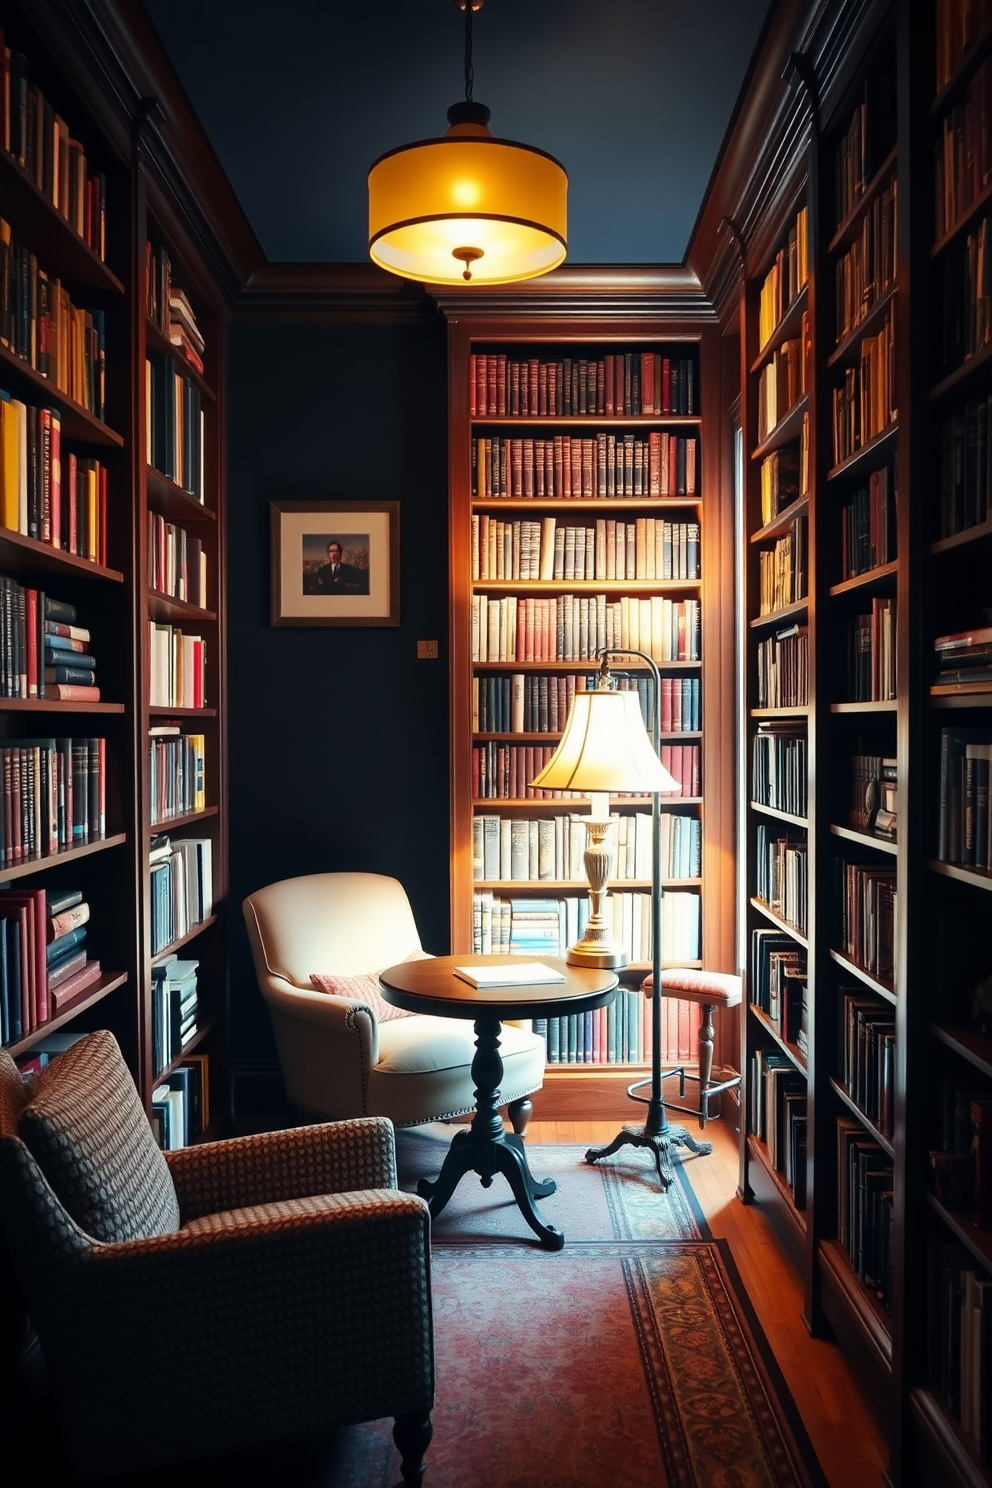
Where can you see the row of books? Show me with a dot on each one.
(871, 654)
(174, 424)
(966, 287)
(38, 138)
(167, 306)
(782, 663)
(621, 1033)
(43, 652)
(781, 874)
(963, 153)
(782, 381)
(180, 1110)
(595, 465)
(864, 402)
(779, 767)
(574, 627)
(54, 797)
(868, 526)
(778, 1096)
(873, 794)
(787, 276)
(181, 888)
(866, 904)
(965, 483)
(553, 847)
(867, 141)
(645, 548)
(778, 985)
(529, 703)
(959, 1342)
(177, 563)
(783, 569)
(627, 911)
(868, 269)
(177, 668)
(864, 1207)
(618, 385)
(505, 771)
(174, 1009)
(963, 658)
(867, 1050)
(56, 497)
(963, 822)
(44, 965)
(784, 475)
(959, 25)
(177, 771)
(39, 323)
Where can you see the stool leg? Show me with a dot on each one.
(705, 1049)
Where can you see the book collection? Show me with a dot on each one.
(866, 902)
(44, 965)
(963, 812)
(777, 1095)
(782, 662)
(779, 773)
(526, 703)
(39, 140)
(871, 654)
(868, 140)
(787, 276)
(780, 875)
(867, 1049)
(180, 1104)
(964, 660)
(177, 668)
(177, 563)
(621, 1033)
(782, 381)
(574, 627)
(626, 384)
(595, 465)
(864, 1207)
(174, 424)
(54, 797)
(174, 1009)
(55, 496)
(784, 475)
(177, 767)
(965, 474)
(505, 771)
(868, 526)
(959, 25)
(868, 269)
(783, 568)
(873, 795)
(519, 849)
(167, 306)
(509, 926)
(967, 296)
(962, 157)
(643, 548)
(43, 652)
(181, 888)
(959, 1343)
(863, 405)
(779, 985)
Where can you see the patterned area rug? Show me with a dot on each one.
(627, 1357)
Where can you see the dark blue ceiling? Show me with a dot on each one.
(299, 97)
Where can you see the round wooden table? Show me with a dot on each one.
(431, 986)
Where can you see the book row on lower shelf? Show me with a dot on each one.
(616, 385)
(621, 1032)
(180, 1110)
(44, 652)
(177, 772)
(864, 1207)
(505, 771)
(782, 668)
(963, 815)
(175, 1006)
(174, 425)
(517, 848)
(177, 563)
(51, 494)
(575, 627)
(777, 1117)
(598, 466)
(53, 796)
(780, 874)
(548, 926)
(959, 1342)
(181, 888)
(177, 668)
(531, 703)
(45, 967)
(643, 548)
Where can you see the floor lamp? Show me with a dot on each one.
(605, 748)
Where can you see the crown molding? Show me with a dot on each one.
(620, 292)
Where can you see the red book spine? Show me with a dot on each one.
(31, 629)
(55, 491)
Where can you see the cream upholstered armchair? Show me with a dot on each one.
(256, 1278)
(349, 1053)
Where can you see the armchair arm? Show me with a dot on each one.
(335, 1157)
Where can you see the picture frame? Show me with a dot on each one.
(335, 562)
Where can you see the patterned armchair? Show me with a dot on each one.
(280, 1283)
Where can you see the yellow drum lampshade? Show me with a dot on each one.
(467, 207)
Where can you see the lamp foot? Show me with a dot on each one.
(658, 1143)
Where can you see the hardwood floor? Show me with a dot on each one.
(849, 1445)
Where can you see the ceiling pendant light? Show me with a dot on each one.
(466, 207)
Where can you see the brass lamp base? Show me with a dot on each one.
(603, 954)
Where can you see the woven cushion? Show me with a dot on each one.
(360, 989)
(13, 1095)
(89, 1134)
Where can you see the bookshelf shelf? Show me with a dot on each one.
(173, 502)
(773, 1031)
(184, 819)
(583, 586)
(574, 666)
(782, 522)
(586, 421)
(67, 253)
(943, 1443)
(867, 456)
(965, 69)
(157, 341)
(853, 968)
(980, 533)
(583, 504)
(849, 228)
(193, 933)
(879, 705)
(864, 839)
(167, 607)
(856, 1111)
(22, 554)
(978, 878)
(964, 221)
(978, 1242)
(787, 428)
(970, 1045)
(849, 349)
(94, 994)
(56, 705)
(776, 919)
(773, 811)
(787, 328)
(777, 618)
(67, 855)
(963, 376)
(78, 423)
(880, 577)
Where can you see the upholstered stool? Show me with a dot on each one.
(709, 989)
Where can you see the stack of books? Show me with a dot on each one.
(174, 1009)
(964, 660)
(183, 329)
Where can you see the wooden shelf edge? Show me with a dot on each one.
(94, 994)
(68, 855)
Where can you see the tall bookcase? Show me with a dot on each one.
(578, 454)
(147, 466)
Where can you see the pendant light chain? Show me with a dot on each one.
(469, 72)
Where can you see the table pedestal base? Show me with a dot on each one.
(485, 1148)
(658, 1142)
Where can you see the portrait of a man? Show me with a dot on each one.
(333, 565)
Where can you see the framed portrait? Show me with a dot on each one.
(335, 563)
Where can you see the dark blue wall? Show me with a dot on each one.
(338, 736)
